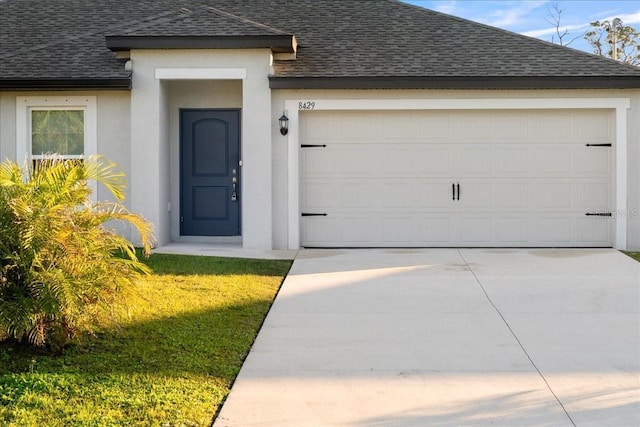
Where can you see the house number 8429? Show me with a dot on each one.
(306, 105)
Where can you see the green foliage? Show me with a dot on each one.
(170, 362)
(59, 263)
(620, 42)
(634, 255)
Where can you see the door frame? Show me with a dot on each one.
(239, 168)
(619, 106)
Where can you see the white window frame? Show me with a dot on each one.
(26, 104)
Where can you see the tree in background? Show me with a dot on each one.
(615, 40)
(554, 16)
(607, 38)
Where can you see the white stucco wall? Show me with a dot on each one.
(153, 103)
(7, 126)
(114, 132)
(280, 156)
(633, 175)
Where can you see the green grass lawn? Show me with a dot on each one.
(634, 255)
(170, 362)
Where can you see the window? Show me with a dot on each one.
(64, 126)
(57, 131)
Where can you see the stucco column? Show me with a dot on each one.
(148, 147)
(256, 157)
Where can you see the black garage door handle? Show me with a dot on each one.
(455, 187)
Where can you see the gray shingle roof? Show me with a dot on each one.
(200, 27)
(341, 43)
(198, 21)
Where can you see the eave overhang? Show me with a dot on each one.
(457, 82)
(123, 83)
(285, 43)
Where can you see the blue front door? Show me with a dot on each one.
(209, 172)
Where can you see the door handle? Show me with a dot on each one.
(458, 188)
(234, 193)
(453, 191)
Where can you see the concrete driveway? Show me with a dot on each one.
(430, 337)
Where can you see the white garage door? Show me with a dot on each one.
(457, 178)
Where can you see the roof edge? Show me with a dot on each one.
(65, 84)
(285, 43)
(457, 82)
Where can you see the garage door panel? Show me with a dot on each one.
(513, 195)
(433, 125)
(514, 230)
(433, 195)
(319, 195)
(472, 126)
(397, 230)
(594, 161)
(356, 160)
(397, 160)
(510, 126)
(526, 178)
(433, 161)
(556, 161)
(399, 125)
(435, 229)
(317, 162)
(516, 161)
(398, 195)
(476, 229)
(476, 194)
(320, 231)
(595, 230)
(556, 229)
(319, 126)
(359, 230)
(594, 195)
(555, 195)
(356, 195)
(363, 126)
(474, 161)
(556, 126)
(593, 125)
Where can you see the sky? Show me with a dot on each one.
(532, 17)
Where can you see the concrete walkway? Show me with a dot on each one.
(470, 337)
(224, 250)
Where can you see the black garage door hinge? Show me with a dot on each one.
(313, 214)
(313, 145)
(598, 214)
(598, 145)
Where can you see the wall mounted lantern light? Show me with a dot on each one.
(284, 123)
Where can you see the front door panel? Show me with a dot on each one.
(209, 172)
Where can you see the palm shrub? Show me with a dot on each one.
(60, 264)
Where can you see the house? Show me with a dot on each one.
(402, 127)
